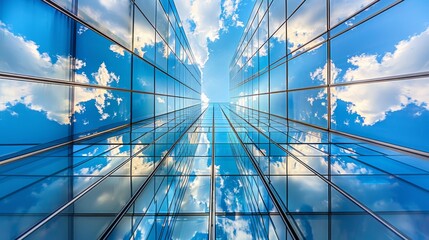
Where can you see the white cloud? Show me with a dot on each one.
(239, 228)
(101, 96)
(203, 20)
(160, 100)
(340, 166)
(373, 102)
(409, 56)
(188, 228)
(342, 9)
(230, 8)
(199, 191)
(82, 29)
(205, 16)
(204, 98)
(117, 49)
(14, 48)
(52, 100)
(307, 24)
(310, 21)
(109, 16)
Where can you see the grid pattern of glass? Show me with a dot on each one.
(215, 172)
(80, 190)
(331, 186)
(70, 69)
(356, 67)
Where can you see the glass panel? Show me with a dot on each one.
(144, 37)
(47, 105)
(278, 104)
(101, 62)
(41, 36)
(278, 78)
(149, 9)
(402, 50)
(277, 15)
(143, 106)
(162, 52)
(161, 82)
(372, 109)
(160, 105)
(306, 24)
(342, 10)
(113, 18)
(308, 106)
(143, 76)
(98, 109)
(308, 69)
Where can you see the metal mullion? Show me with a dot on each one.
(212, 215)
(329, 109)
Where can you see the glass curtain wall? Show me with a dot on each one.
(70, 69)
(355, 67)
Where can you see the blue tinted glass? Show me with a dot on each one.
(402, 51)
(101, 62)
(308, 69)
(161, 82)
(263, 103)
(160, 105)
(143, 75)
(263, 83)
(306, 24)
(144, 36)
(149, 9)
(278, 78)
(113, 18)
(162, 52)
(97, 109)
(278, 104)
(353, 114)
(47, 105)
(308, 106)
(41, 36)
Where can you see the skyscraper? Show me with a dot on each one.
(104, 135)
(333, 84)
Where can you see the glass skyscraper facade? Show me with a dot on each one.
(355, 67)
(324, 88)
(104, 136)
(78, 68)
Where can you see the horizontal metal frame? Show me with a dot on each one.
(32, 79)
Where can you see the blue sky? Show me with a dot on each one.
(214, 29)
